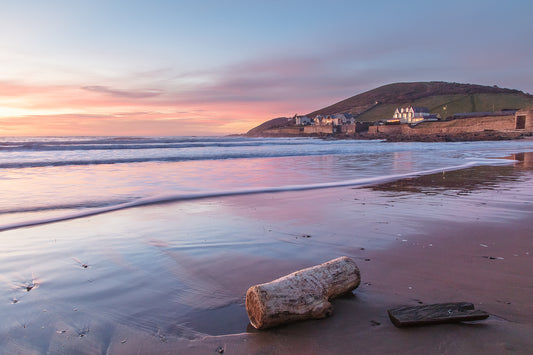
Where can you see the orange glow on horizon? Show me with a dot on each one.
(27, 110)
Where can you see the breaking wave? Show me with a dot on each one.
(362, 182)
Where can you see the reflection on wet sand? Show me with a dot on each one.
(172, 278)
(464, 181)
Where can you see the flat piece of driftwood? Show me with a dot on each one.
(435, 314)
(304, 294)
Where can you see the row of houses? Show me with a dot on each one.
(508, 120)
(409, 115)
(338, 119)
(402, 115)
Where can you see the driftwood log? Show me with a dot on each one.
(407, 316)
(304, 294)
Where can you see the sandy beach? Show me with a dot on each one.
(182, 177)
(171, 278)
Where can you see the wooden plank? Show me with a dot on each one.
(435, 314)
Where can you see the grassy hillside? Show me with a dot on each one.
(445, 99)
(448, 105)
(442, 98)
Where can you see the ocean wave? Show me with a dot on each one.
(211, 154)
(131, 146)
(121, 143)
(42, 153)
(40, 164)
(63, 206)
(236, 192)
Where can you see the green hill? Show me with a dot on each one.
(445, 99)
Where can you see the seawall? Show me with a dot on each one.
(521, 122)
(472, 128)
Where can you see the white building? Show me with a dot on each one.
(337, 119)
(302, 120)
(343, 119)
(411, 114)
(318, 120)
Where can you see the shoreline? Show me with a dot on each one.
(441, 262)
(160, 278)
(393, 138)
(148, 201)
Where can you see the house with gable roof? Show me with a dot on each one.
(337, 119)
(302, 120)
(340, 119)
(412, 115)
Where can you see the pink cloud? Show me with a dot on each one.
(133, 94)
(54, 109)
(233, 99)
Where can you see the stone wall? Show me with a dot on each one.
(326, 129)
(347, 129)
(521, 121)
(373, 130)
(286, 131)
(475, 124)
(466, 125)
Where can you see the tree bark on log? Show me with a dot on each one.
(304, 294)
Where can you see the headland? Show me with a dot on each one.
(433, 111)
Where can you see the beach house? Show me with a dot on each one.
(302, 120)
(338, 119)
(412, 114)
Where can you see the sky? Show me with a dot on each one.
(202, 67)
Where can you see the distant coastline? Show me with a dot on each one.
(429, 112)
(515, 126)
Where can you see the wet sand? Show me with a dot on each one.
(171, 278)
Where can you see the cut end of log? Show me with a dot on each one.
(301, 295)
(253, 307)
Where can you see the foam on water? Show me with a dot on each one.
(236, 192)
(52, 179)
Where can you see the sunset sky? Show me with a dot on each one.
(114, 67)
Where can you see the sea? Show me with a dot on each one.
(108, 244)
(47, 179)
